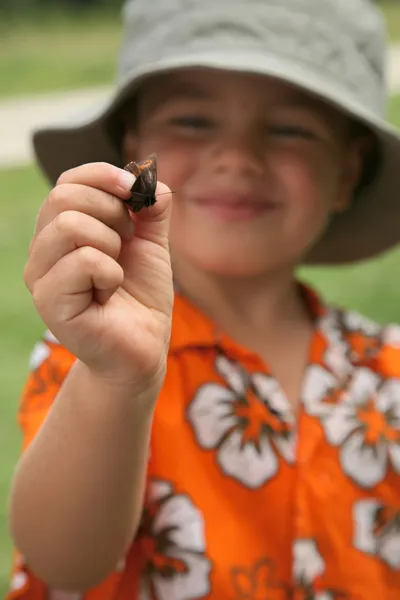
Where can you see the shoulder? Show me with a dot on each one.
(50, 363)
(374, 340)
(355, 322)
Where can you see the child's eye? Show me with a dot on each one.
(192, 122)
(294, 131)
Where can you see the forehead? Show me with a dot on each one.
(213, 84)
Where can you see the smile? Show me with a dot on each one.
(236, 208)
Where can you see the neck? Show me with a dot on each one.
(250, 310)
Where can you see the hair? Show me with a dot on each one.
(124, 117)
(373, 157)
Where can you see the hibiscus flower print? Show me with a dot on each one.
(49, 364)
(258, 583)
(321, 391)
(247, 421)
(366, 427)
(19, 584)
(377, 531)
(336, 355)
(391, 335)
(171, 538)
(353, 322)
(309, 571)
(351, 339)
(362, 418)
(365, 338)
(41, 350)
(362, 336)
(19, 580)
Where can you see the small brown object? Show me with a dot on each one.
(144, 189)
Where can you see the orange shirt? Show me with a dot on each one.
(243, 500)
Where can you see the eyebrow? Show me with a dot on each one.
(191, 90)
(310, 104)
(181, 91)
(194, 92)
(187, 91)
(302, 102)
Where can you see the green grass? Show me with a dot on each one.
(372, 287)
(21, 191)
(391, 11)
(59, 51)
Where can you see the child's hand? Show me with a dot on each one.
(105, 293)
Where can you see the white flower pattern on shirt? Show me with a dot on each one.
(336, 356)
(321, 392)
(308, 573)
(247, 420)
(377, 531)
(19, 580)
(41, 350)
(20, 583)
(363, 420)
(351, 339)
(172, 539)
(249, 424)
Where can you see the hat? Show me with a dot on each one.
(334, 49)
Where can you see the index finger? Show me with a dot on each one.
(112, 181)
(103, 176)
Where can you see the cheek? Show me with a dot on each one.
(177, 165)
(176, 162)
(311, 182)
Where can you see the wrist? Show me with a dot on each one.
(143, 394)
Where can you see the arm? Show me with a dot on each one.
(104, 289)
(77, 493)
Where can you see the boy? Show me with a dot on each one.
(218, 432)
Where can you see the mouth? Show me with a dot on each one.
(236, 207)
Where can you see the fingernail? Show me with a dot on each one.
(126, 180)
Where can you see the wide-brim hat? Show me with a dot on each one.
(334, 49)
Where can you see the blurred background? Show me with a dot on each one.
(57, 56)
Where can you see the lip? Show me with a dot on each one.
(236, 207)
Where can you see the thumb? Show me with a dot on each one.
(145, 258)
(152, 222)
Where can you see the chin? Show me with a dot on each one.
(232, 254)
(236, 264)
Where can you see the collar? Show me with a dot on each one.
(191, 328)
(342, 339)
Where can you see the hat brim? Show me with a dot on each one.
(369, 227)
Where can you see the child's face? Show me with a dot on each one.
(257, 167)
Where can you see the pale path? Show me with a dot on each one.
(20, 116)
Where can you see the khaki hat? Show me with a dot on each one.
(334, 49)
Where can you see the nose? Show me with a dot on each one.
(239, 154)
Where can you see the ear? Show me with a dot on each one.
(352, 173)
(130, 144)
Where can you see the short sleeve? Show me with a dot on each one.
(50, 363)
(389, 357)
